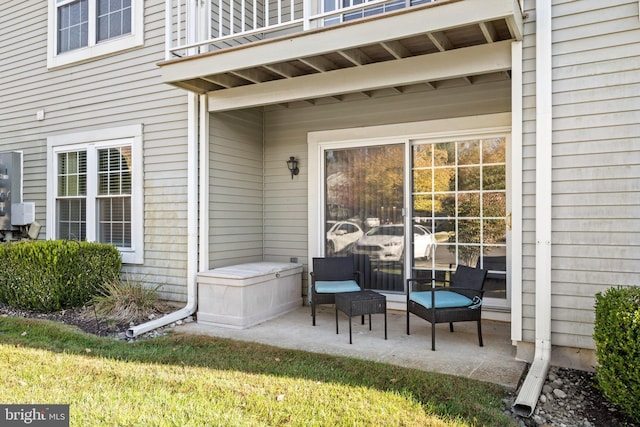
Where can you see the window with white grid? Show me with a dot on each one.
(96, 189)
(71, 200)
(114, 196)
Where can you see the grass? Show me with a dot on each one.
(186, 380)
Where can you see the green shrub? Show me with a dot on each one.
(617, 337)
(52, 275)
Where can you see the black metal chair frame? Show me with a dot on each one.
(343, 268)
(450, 315)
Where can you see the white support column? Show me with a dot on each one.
(516, 192)
(204, 185)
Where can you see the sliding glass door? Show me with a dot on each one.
(456, 211)
(459, 193)
(364, 201)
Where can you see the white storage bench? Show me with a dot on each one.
(244, 295)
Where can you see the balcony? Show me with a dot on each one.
(244, 52)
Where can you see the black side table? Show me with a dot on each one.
(359, 304)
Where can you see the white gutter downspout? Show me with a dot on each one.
(192, 227)
(197, 134)
(530, 391)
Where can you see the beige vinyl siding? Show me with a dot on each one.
(285, 213)
(235, 188)
(118, 90)
(596, 162)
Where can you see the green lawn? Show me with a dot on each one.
(185, 380)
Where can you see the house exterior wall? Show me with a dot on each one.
(285, 209)
(596, 162)
(235, 188)
(117, 90)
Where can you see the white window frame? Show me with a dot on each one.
(91, 142)
(94, 49)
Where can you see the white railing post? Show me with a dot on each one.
(279, 11)
(168, 27)
(209, 23)
(191, 24)
(201, 31)
(255, 14)
(220, 16)
(309, 9)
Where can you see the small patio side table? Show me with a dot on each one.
(359, 304)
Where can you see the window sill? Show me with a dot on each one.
(93, 52)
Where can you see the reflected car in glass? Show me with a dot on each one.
(386, 243)
(341, 236)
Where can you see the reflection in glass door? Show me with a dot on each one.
(459, 196)
(364, 200)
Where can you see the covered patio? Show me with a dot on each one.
(456, 353)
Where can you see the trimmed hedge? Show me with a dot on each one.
(52, 275)
(617, 337)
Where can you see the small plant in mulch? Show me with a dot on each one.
(128, 301)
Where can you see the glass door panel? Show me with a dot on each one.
(459, 197)
(364, 200)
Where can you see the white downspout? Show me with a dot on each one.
(192, 227)
(530, 391)
(197, 134)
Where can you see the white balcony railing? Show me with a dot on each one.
(199, 26)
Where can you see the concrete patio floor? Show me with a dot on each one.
(456, 353)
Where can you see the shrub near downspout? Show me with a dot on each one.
(617, 337)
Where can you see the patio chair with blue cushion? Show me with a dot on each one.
(460, 301)
(329, 277)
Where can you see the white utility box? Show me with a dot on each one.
(23, 213)
(244, 295)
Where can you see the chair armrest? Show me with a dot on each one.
(313, 281)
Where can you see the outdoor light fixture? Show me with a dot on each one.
(292, 164)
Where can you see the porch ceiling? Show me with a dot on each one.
(441, 44)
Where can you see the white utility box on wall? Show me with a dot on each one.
(244, 295)
(23, 213)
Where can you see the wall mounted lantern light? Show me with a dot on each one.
(292, 164)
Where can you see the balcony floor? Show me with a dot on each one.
(456, 353)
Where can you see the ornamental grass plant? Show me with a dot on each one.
(127, 300)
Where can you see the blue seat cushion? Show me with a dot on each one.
(336, 286)
(444, 299)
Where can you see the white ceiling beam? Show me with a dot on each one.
(225, 80)
(283, 69)
(254, 75)
(441, 41)
(418, 69)
(396, 49)
(489, 31)
(319, 63)
(355, 56)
